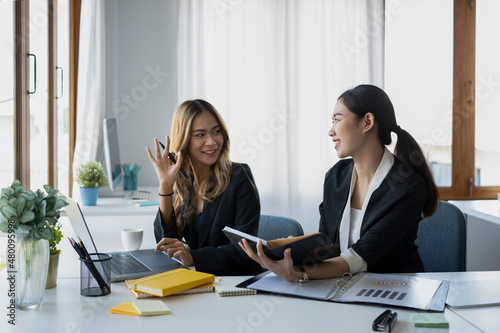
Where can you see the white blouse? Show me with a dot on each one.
(352, 219)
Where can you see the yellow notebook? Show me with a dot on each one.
(205, 288)
(171, 282)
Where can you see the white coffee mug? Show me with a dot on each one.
(132, 238)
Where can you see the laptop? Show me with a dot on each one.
(125, 265)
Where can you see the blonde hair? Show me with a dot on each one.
(182, 121)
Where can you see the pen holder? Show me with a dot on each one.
(95, 275)
(130, 183)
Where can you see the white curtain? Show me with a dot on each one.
(91, 86)
(274, 69)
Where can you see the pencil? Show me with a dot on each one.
(85, 257)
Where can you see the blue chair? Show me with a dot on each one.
(441, 240)
(272, 227)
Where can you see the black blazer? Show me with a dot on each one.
(390, 223)
(237, 207)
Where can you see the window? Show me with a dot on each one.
(30, 92)
(442, 72)
(7, 80)
(487, 92)
(419, 80)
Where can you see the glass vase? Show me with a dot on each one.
(32, 262)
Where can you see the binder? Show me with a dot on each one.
(387, 289)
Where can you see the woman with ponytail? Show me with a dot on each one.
(215, 193)
(373, 200)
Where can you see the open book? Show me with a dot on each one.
(306, 249)
(388, 289)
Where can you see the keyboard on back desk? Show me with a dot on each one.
(141, 195)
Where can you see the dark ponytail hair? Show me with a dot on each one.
(368, 98)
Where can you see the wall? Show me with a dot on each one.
(141, 74)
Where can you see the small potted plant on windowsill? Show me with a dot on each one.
(90, 176)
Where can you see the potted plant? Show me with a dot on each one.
(54, 256)
(28, 218)
(90, 176)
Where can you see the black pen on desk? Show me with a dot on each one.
(172, 158)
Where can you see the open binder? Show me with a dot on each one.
(387, 289)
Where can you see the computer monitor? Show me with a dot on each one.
(112, 153)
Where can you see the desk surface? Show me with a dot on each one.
(485, 209)
(64, 310)
(119, 205)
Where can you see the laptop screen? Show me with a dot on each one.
(80, 227)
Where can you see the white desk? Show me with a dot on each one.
(486, 318)
(483, 232)
(484, 209)
(64, 310)
(119, 206)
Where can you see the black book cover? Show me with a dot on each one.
(306, 250)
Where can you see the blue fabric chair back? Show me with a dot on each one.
(272, 227)
(441, 240)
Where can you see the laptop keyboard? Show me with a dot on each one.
(124, 263)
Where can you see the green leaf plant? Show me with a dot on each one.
(91, 175)
(34, 212)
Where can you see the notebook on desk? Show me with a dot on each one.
(125, 265)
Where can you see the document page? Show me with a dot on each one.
(398, 290)
(318, 289)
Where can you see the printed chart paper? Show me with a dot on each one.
(407, 291)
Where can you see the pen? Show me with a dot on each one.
(172, 158)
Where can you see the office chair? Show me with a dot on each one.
(272, 227)
(441, 240)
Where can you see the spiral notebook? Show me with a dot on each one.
(225, 288)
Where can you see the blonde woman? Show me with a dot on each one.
(215, 193)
